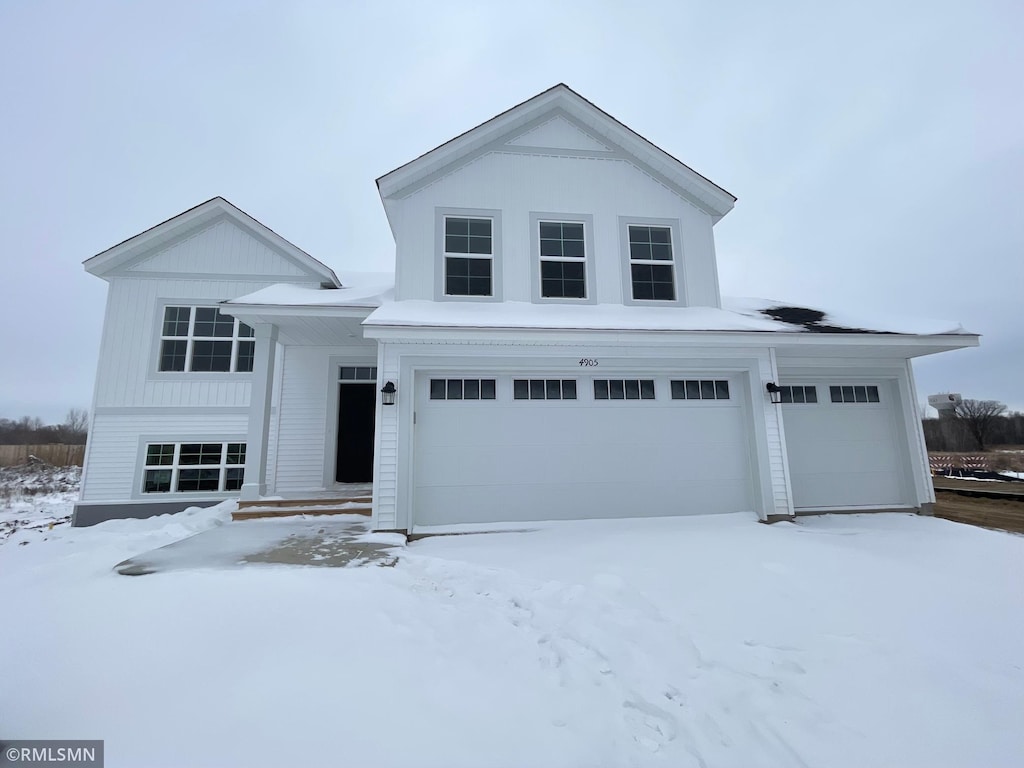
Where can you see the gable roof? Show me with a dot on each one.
(121, 256)
(602, 129)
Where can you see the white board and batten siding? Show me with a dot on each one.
(221, 248)
(133, 401)
(604, 189)
(128, 375)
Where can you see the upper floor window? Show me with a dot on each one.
(651, 268)
(468, 256)
(562, 260)
(202, 339)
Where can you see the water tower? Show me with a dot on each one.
(945, 404)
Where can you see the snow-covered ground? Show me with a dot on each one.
(884, 640)
(36, 496)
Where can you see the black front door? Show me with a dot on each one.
(356, 406)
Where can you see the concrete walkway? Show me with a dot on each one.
(341, 541)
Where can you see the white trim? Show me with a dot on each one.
(139, 475)
(171, 410)
(334, 384)
(118, 258)
(589, 262)
(855, 508)
(559, 101)
(153, 372)
(441, 215)
(679, 286)
(741, 367)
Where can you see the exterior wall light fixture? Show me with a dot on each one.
(388, 393)
(774, 392)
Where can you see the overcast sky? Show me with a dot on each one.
(877, 149)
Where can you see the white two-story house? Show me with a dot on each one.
(552, 345)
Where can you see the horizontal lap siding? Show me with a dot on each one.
(301, 436)
(114, 446)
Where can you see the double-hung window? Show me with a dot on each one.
(651, 263)
(202, 339)
(562, 260)
(468, 256)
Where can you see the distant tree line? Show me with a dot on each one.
(976, 425)
(30, 430)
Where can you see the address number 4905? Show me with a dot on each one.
(588, 362)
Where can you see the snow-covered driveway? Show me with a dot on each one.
(885, 640)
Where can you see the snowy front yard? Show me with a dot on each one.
(885, 640)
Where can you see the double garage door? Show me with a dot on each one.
(505, 448)
(844, 447)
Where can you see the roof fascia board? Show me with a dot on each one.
(776, 339)
(151, 239)
(279, 310)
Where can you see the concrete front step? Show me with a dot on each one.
(264, 508)
(322, 502)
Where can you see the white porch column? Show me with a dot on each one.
(255, 484)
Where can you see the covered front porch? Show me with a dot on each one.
(314, 403)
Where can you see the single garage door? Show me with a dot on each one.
(504, 448)
(843, 444)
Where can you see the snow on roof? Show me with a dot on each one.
(358, 289)
(742, 314)
(816, 320)
(376, 290)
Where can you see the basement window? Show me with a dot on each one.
(193, 467)
(853, 393)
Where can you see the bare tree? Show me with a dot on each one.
(75, 427)
(978, 417)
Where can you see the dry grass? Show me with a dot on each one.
(1001, 514)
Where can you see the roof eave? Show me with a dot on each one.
(716, 200)
(105, 262)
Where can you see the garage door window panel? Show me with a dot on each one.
(853, 393)
(700, 389)
(463, 389)
(624, 389)
(544, 389)
(798, 394)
